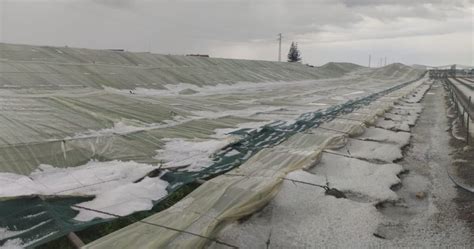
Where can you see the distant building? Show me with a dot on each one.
(198, 55)
(117, 49)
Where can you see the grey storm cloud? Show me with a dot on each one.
(234, 28)
(399, 2)
(260, 20)
(115, 3)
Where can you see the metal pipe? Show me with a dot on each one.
(468, 121)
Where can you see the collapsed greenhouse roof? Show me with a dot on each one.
(100, 113)
(248, 188)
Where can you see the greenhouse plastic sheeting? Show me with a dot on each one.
(267, 165)
(241, 192)
(55, 106)
(273, 135)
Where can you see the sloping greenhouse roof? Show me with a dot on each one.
(251, 186)
(92, 114)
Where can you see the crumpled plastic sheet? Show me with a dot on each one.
(243, 190)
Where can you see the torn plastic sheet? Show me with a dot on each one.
(233, 195)
(272, 135)
(227, 159)
(292, 219)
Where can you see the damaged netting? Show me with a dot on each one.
(245, 189)
(274, 134)
(30, 221)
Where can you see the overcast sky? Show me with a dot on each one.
(432, 32)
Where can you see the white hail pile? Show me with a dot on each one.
(303, 216)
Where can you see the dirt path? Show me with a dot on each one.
(433, 211)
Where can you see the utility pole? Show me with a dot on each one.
(370, 58)
(279, 47)
(385, 61)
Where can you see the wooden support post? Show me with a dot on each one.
(75, 240)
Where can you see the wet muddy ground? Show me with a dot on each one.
(433, 211)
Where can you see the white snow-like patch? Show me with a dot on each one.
(408, 119)
(302, 216)
(195, 154)
(381, 135)
(89, 179)
(241, 87)
(360, 177)
(171, 89)
(412, 109)
(318, 104)
(112, 184)
(392, 125)
(13, 244)
(354, 93)
(417, 94)
(400, 118)
(120, 128)
(248, 112)
(5, 233)
(20, 244)
(369, 150)
(17, 185)
(124, 199)
(253, 126)
(338, 98)
(401, 111)
(130, 126)
(232, 153)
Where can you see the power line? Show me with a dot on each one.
(158, 225)
(284, 178)
(191, 233)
